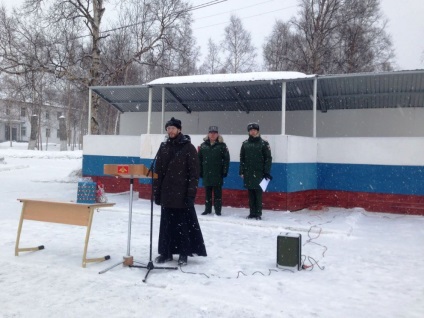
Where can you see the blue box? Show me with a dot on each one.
(86, 192)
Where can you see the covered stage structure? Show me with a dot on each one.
(284, 92)
(351, 140)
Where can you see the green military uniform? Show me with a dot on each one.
(255, 164)
(214, 163)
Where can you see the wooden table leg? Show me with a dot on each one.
(18, 237)
(21, 220)
(86, 260)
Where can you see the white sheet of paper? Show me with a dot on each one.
(264, 184)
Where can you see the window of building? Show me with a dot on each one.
(23, 131)
(47, 132)
(7, 132)
(47, 114)
(59, 114)
(23, 111)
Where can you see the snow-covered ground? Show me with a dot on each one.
(367, 264)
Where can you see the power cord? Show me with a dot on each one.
(309, 241)
(239, 273)
(311, 260)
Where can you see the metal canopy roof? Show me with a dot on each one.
(348, 91)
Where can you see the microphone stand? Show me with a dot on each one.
(128, 260)
(150, 265)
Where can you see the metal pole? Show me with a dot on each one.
(149, 113)
(89, 111)
(314, 129)
(128, 259)
(283, 108)
(130, 218)
(163, 108)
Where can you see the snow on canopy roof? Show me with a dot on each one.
(262, 91)
(230, 78)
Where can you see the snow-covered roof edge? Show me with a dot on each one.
(222, 78)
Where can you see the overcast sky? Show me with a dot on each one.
(406, 23)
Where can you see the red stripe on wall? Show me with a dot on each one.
(312, 199)
(373, 202)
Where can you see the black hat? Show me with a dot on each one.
(173, 122)
(253, 126)
(213, 128)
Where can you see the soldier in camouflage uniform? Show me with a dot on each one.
(214, 161)
(255, 165)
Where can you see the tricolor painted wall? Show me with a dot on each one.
(378, 174)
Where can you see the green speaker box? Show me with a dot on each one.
(289, 251)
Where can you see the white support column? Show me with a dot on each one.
(283, 108)
(89, 110)
(163, 110)
(314, 129)
(149, 112)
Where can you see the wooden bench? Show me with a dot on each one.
(60, 212)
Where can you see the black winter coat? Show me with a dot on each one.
(177, 166)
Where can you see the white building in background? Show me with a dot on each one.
(15, 121)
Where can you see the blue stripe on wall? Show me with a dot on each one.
(295, 177)
(278, 183)
(301, 177)
(371, 178)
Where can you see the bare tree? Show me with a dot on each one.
(279, 52)
(183, 50)
(331, 36)
(176, 55)
(72, 57)
(315, 33)
(240, 53)
(363, 44)
(212, 63)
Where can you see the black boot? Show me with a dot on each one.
(163, 259)
(182, 260)
(218, 212)
(206, 212)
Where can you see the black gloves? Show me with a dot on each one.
(267, 176)
(157, 200)
(189, 201)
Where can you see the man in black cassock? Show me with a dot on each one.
(177, 166)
